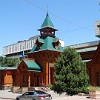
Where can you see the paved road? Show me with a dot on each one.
(7, 95)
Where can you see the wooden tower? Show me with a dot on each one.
(46, 50)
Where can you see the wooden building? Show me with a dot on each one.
(37, 69)
(90, 53)
(93, 67)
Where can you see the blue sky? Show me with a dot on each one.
(74, 19)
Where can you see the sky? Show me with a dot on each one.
(74, 19)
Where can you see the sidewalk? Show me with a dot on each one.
(7, 95)
(63, 96)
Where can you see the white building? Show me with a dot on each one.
(15, 50)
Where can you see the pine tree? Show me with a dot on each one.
(70, 75)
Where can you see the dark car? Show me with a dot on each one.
(34, 95)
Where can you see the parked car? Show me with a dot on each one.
(34, 95)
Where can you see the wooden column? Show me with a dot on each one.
(46, 75)
(93, 77)
(18, 79)
(29, 80)
(49, 74)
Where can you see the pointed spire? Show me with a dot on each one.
(47, 15)
(47, 22)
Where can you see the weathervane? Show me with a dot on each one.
(47, 7)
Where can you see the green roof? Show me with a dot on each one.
(47, 44)
(8, 68)
(47, 22)
(32, 65)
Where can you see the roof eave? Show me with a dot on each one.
(47, 27)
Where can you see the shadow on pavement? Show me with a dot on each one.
(6, 98)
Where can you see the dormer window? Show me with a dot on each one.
(38, 44)
(55, 44)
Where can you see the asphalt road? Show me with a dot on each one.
(7, 95)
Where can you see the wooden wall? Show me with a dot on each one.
(8, 80)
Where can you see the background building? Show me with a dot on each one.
(16, 50)
(86, 50)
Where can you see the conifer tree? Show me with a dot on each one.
(70, 75)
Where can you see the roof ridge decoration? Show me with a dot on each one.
(47, 22)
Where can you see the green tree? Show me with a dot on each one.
(8, 62)
(70, 75)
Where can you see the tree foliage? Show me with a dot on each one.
(6, 62)
(70, 75)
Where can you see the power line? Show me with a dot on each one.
(36, 6)
(72, 23)
(61, 18)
